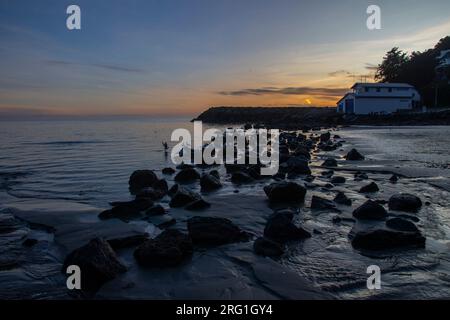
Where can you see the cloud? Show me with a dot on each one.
(327, 92)
(371, 66)
(110, 67)
(339, 73)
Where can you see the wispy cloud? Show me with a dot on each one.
(110, 67)
(326, 92)
(338, 73)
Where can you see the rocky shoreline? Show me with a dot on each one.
(188, 223)
(314, 118)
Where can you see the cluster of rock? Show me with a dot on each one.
(173, 247)
(397, 231)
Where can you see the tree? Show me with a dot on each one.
(418, 69)
(391, 68)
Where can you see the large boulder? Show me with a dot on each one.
(381, 239)
(268, 248)
(280, 228)
(187, 175)
(285, 191)
(405, 202)
(209, 182)
(298, 165)
(371, 187)
(168, 249)
(214, 231)
(401, 224)
(182, 197)
(98, 264)
(140, 179)
(370, 210)
(354, 155)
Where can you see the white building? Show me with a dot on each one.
(379, 98)
(443, 66)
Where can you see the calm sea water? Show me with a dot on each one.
(90, 162)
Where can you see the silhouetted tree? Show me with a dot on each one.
(391, 67)
(417, 69)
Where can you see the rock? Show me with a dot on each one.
(324, 137)
(183, 197)
(405, 202)
(302, 151)
(209, 182)
(187, 175)
(125, 242)
(198, 205)
(336, 219)
(126, 210)
(171, 192)
(280, 228)
(162, 222)
(214, 231)
(98, 264)
(139, 203)
(354, 155)
(168, 249)
(401, 224)
(29, 242)
(183, 166)
(157, 210)
(370, 210)
(337, 179)
(330, 162)
(341, 198)
(309, 178)
(289, 213)
(361, 176)
(336, 136)
(240, 177)
(327, 174)
(298, 165)
(285, 191)
(382, 239)
(140, 179)
(168, 171)
(215, 173)
(319, 203)
(268, 248)
(371, 187)
(393, 178)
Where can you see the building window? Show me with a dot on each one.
(378, 89)
(366, 89)
(390, 89)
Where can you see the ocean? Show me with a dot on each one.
(52, 168)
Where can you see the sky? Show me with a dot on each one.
(176, 58)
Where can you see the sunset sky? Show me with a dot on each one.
(180, 57)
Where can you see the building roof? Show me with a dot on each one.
(382, 85)
(345, 96)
